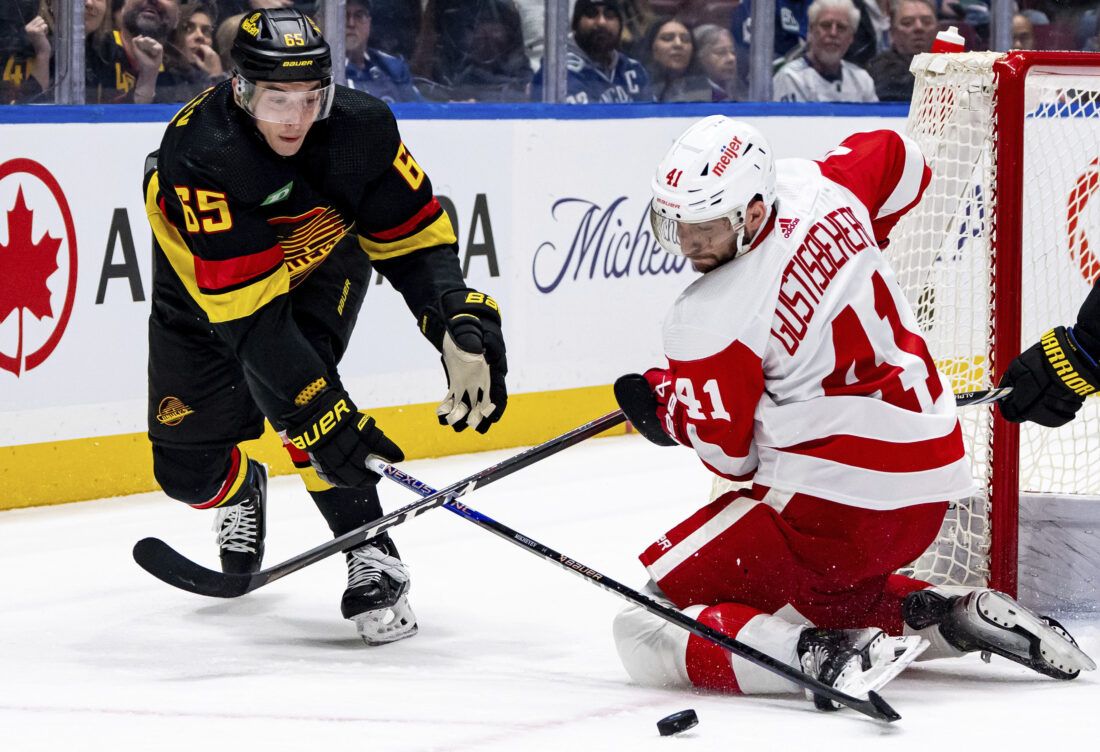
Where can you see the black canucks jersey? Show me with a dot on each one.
(238, 228)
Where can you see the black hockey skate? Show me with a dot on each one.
(855, 661)
(991, 622)
(241, 528)
(376, 598)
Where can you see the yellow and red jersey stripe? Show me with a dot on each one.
(428, 228)
(225, 290)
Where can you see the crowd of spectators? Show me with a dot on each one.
(142, 51)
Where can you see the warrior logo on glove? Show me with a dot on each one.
(1049, 380)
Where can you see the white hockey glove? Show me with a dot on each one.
(468, 395)
(465, 328)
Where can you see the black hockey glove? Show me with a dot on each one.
(636, 397)
(1049, 380)
(339, 439)
(465, 328)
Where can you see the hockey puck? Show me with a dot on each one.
(677, 722)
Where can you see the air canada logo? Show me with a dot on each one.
(38, 265)
(172, 411)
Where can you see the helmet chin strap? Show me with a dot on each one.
(743, 244)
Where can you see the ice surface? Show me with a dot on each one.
(513, 653)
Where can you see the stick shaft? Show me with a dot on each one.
(878, 710)
(165, 563)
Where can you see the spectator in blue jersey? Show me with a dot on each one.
(596, 69)
(373, 71)
(821, 74)
(792, 25)
(670, 59)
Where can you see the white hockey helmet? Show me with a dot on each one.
(715, 169)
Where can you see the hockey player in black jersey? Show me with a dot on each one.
(271, 198)
(1051, 379)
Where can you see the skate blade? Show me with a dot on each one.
(385, 625)
(889, 657)
(1004, 612)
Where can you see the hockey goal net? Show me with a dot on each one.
(997, 252)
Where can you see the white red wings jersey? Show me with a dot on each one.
(800, 364)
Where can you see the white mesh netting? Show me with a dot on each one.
(943, 251)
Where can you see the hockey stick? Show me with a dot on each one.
(874, 706)
(982, 396)
(165, 563)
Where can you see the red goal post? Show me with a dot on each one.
(995, 254)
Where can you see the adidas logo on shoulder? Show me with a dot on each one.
(786, 226)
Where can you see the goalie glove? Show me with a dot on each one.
(644, 401)
(1049, 380)
(339, 439)
(465, 328)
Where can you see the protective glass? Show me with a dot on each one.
(712, 237)
(285, 107)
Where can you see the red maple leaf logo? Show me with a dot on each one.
(25, 265)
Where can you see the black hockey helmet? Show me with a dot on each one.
(281, 44)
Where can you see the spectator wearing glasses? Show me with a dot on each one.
(912, 30)
(822, 74)
(597, 70)
(373, 71)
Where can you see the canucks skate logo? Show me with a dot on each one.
(172, 411)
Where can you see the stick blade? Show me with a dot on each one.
(882, 710)
(168, 565)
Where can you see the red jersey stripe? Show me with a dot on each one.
(430, 209)
(885, 456)
(218, 275)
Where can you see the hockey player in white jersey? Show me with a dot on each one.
(796, 363)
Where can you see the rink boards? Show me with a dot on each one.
(550, 213)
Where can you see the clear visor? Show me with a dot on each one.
(273, 105)
(699, 238)
(666, 232)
